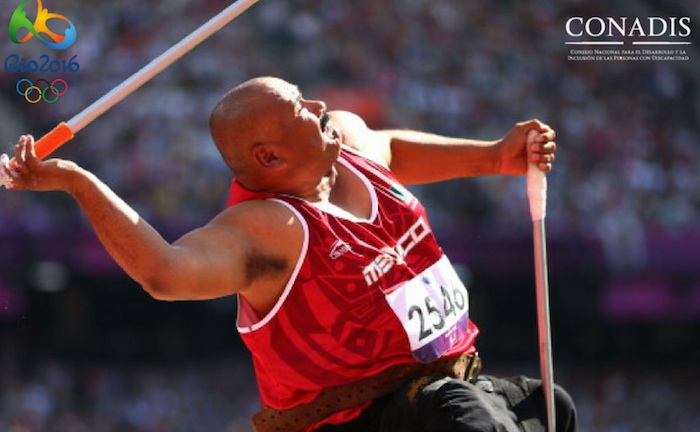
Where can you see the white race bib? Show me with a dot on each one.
(433, 308)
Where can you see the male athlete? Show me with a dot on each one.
(356, 319)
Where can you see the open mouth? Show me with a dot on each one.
(324, 121)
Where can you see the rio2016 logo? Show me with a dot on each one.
(22, 30)
(40, 27)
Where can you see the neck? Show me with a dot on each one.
(347, 198)
(326, 187)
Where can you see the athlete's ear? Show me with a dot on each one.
(266, 156)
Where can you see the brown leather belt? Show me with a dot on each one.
(335, 399)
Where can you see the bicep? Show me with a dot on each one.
(236, 249)
(208, 263)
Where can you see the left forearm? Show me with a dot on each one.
(418, 157)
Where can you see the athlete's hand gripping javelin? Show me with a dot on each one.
(31, 173)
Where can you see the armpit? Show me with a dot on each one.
(260, 266)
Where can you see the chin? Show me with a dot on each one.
(332, 152)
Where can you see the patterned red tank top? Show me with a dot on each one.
(364, 295)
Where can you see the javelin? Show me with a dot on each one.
(66, 130)
(537, 194)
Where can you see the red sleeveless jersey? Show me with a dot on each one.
(363, 296)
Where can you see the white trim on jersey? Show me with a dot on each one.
(244, 311)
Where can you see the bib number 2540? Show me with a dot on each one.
(433, 308)
(431, 317)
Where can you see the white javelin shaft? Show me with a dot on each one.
(537, 194)
(156, 65)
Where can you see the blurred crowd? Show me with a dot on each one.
(60, 397)
(628, 165)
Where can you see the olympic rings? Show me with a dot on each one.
(41, 94)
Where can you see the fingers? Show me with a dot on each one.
(546, 135)
(545, 162)
(24, 151)
(14, 174)
(542, 149)
(543, 155)
(547, 148)
(6, 174)
(535, 124)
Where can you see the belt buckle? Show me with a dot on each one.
(473, 368)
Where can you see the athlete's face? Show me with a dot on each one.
(305, 133)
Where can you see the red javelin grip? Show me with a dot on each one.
(54, 139)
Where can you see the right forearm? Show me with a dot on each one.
(138, 248)
(130, 240)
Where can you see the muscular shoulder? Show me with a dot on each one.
(270, 239)
(264, 224)
(257, 212)
(265, 236)
(356, 134)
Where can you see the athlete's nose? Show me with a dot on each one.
(318, 107)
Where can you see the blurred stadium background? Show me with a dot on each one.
(83, 349)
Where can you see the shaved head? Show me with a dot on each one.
(272, 138)
(239, 120)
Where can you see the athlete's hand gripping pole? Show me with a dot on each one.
(66, 130)
(537, 194)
